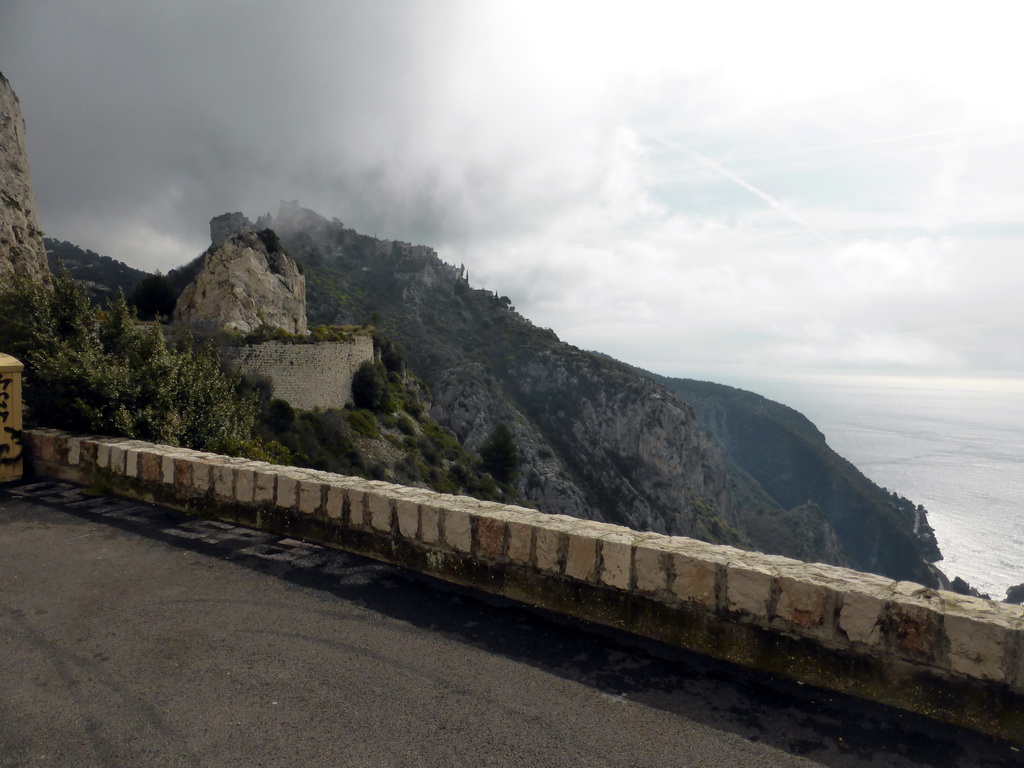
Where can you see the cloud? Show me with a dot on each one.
(815, 168)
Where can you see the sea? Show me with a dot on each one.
(955, 446)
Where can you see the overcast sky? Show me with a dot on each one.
(712, 189)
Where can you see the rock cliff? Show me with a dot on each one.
(246, 282)
(22, 251)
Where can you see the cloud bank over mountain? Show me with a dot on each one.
(725, 191)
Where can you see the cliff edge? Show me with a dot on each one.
(22, 252)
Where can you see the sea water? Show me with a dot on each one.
(954, 446)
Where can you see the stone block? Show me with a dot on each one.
(75, 451)
(102, 455)
(982, 636)
(458, 529)
(520, 542)
(264, 486)
(914, 624)
(378, 506)
(311, 497)
(551, 539)
(245, 485)
(334, 503)
(39, 441)
(357, 498)
(202, 475)
(117, 463)
(617, 559)
(861, 615)
(183, 476)
(581, 555)
(490, 537)
(748, 588)
(650, 562)
(696, 573)
(131, 462)
(287, 495)
(87, 453)
(407, 513)
(167, 467)
(430, 524)
(804, 602)
(224, 481)
(150, 465)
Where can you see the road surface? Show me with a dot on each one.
(132, 635)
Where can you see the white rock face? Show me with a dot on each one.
(244, 285)
(21, 240)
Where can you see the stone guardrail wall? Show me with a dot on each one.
(307, 376)
(955, 658)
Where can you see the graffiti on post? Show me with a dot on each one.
(11, 447)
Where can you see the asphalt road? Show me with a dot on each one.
(131, 635)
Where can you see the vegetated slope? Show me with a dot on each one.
(101, 276)
(788, 456)
(392, 438)
(598, 439)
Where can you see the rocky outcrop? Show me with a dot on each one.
(227, 224)
(248, 282)
(21, 240)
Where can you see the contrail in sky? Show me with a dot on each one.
(883, 140)
(707, 162)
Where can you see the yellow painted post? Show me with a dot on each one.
(11, 451)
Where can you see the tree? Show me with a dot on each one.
(500, 455)
(370, 387)
(393, 356)
(154, 297)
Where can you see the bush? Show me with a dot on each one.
(370, 387)
(500, 455)
(104, 373)
(363, 423)
(154, 297)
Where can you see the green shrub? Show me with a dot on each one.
(370, 387)
(154, 297)
(500, 455)
(103, 373)
(363, 423)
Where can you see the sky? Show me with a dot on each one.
(727, 190)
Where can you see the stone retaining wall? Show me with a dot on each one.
(956, 658)
(307, 376)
